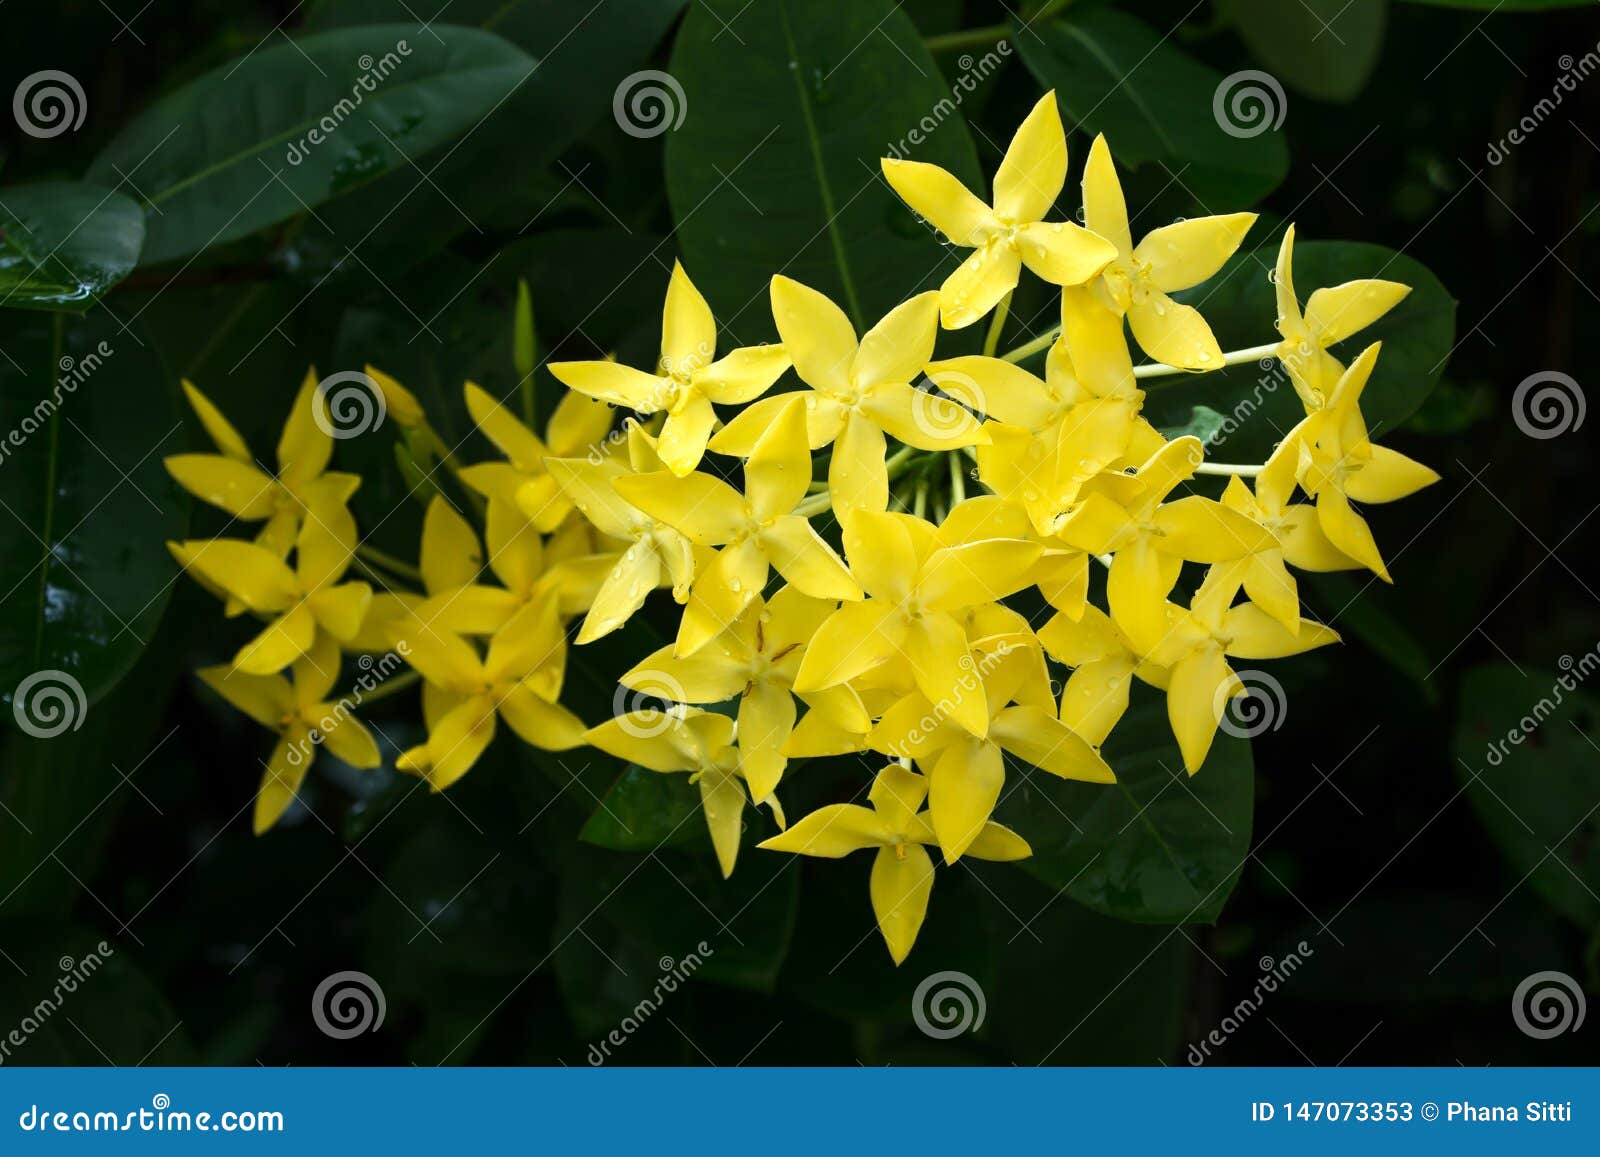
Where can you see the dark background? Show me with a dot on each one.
(1423, 892)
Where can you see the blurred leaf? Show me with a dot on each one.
(1116, 75)
(1158, 846)
(1256, 399)
(88, 412)
(63, 244)
(775, 167)
(291, 126)
(1204, 423)
(1502, 5)
(81, 997)
(627, 921)
(1324, 48)
(1525, 751)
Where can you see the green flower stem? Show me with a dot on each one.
(996, 324)
(1028, 349)
(967, 38)
(373, 555)
(1254, 353)
(387, 688)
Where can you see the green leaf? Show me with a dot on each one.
(1159, 846)
(1326, 49)
(645, 810)
(1342, 601)
(63, 244)
(88, 412)
(286, 128)
(1116, 75)
(775, 168)
(1525, 751)
(1257, 402)
(500, 175)
(1502, 5)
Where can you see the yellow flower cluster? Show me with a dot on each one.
(903, 645)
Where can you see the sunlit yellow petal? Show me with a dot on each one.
(1035, 165)
(940, 199)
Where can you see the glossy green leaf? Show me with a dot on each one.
(1502, 5)
(645, 810)
(501, 175)
(1256, 400)
(775, 167)
(1158, 846)
(63, 244)
(288, 127)
(87, 412)
(1525, 752)
(1325, 49)
(1116, 75)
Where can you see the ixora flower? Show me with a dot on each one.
(296, 709)
(1012, 232)
(912, 629)
(902, 870)
(230, 479)
(689, 380)
(861, 391)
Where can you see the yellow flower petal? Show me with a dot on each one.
(978, 283)
(618, 384)
(325, 545)
(1348, 531)
(978, 572)
(855, 638)
(779, 467)
(921, 418)
(1096, 697)
(284, 640)
(1137, 588)
(800, 555)
(817, 334)
(738, 438)
(1338, 311)
(902, 881)
(688, 331)
(540, 723)
(286, 769)
(250, 573)
(900, 345)
(451, 556)
(832, 831)
(1203, 530)
(766, 717)
(235, 486)
(1185, 253)
(1035, 165)
(459, 740)
(220, 430)
(637, 572)
(501, 427)
(743, 375)
(1104, 210)
(265, 698)
(1036, 736)
(1093, 331)
(963, 787)
(858, 479)
(998, 842)
(1174, 333)
(1387, 476)
(350, 741)
(1196, 697)
(304, 447)
(591, 487)
(1063, 252)
(944, 670)
(340, 610)
(1257, 635)
(721, 593)
(722, 800)
(684, 436)
(941, 200)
